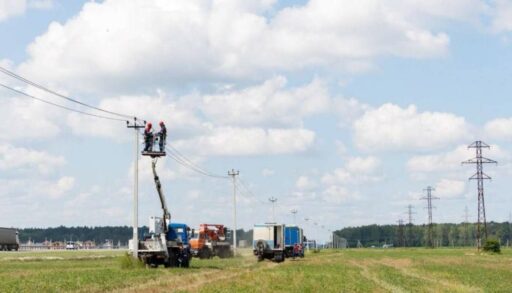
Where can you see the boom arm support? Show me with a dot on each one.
(167, 215)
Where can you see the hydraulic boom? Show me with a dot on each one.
(167, 215)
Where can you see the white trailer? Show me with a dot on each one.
(268, 241)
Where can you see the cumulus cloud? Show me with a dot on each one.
(267, 104)
(305, 183)
(180, 120)
(337, 194)
(267, 172)
(356, 170)
(10, 8)
(447, 188)
(59, 188)
(391, 127)
(235, 141)
(502, 16)
(15, 158)
(232, 40)
(444, 163)
(500, 128)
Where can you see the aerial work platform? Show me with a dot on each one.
(153, 154)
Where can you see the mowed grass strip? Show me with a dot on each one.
(353, 270)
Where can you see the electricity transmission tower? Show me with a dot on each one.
(401, 234)
(480, 176)
(429, 199)
(233, 174)
(410, 240)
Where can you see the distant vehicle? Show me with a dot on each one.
(268, 242)
(70, 245)
(293, 235)
(210, 241)
(387, 246)
(9, 239)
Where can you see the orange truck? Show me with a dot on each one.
(210, 241)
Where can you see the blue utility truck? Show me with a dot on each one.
(268, 241)
(293, 235)
(166, 243)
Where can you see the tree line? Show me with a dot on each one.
(446, 234)
(97, 234)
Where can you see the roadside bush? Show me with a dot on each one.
(492, 245)
(128, 262)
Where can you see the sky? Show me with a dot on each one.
(343, 110)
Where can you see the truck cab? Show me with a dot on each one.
(179, 232)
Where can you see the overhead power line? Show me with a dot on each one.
(58, 105)
(27, 81)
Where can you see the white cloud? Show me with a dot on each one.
(444, 163)
(14, 158)
(357, 170)
(234, 141)
(447, 188)
(231, 39)
(362, 165)
(502, 16)
(500, 128)
(267, 104)
(180, 121)
(337, 194)
(29, 119)
(392, 128)
(439, 162)
(304, 183)
(10, 8)
(267, 172)
(58, 189)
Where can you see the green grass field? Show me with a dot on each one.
(353, 270)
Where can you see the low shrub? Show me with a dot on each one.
(492, 245)
(128, 262)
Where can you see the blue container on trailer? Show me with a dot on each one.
(292, 235)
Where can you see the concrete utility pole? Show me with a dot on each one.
(294, 212)
(233, 174)
(480, 176)
(273, 201)
(429, 199)
(135, 237)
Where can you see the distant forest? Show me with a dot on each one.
(417, 235)
(97, 234)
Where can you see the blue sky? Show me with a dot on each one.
(344, 111)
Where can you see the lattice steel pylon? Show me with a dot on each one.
(409, 239)
(401, 233)
(429, 199)
(480, 176)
